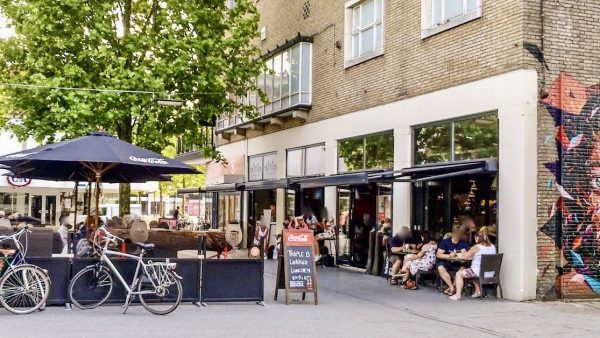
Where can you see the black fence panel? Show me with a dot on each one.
(232, 280)
(59, 270)
(188, 269)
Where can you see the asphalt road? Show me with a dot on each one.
(351, 304)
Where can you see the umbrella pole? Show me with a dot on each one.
(98, 176)
(75, 215)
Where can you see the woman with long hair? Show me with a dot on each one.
(483, 247)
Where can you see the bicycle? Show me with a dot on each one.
(156, 284)
(24, 287)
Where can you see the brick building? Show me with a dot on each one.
(425, 112)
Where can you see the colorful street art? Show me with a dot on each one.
(574, 219)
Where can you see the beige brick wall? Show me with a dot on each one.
(410, 66)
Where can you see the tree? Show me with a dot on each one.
(178, 181)
(131, 52)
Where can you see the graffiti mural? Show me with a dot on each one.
(574, 219)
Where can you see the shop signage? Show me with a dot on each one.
(18, 181)
(296, 272)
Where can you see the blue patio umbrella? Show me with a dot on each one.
(97, 157)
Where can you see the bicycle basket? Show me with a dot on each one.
(158, 273)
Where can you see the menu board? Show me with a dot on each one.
(297, 269)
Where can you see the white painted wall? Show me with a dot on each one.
(512, 95)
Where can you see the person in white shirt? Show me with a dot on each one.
(63, 231)
(483, 247)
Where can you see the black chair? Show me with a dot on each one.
(490, 266)
(430, 274)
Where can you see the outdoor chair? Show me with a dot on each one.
(430, 275)
(489, 273)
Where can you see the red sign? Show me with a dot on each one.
(298, 238)
(18, 182)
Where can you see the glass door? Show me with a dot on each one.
(36, 207)
(344, 214)
(50, 210)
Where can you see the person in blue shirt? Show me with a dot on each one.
(447, 251)
(398, 246)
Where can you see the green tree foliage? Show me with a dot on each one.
(180, 181)
(195, 50)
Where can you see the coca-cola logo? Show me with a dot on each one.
(297, 238)
(18, 181)
(150, 160)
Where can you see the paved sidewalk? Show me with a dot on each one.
(351, 304)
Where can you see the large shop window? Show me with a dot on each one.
(306, 161)
(467, 139)
(262, 167)
(440, 15)
(366, 153)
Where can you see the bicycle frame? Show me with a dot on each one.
(21, 251)
(142, 266)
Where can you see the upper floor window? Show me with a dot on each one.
(306, 161)
(440, 15)
(467, 139)
(364, 22)
(366, 152)
(262, 167)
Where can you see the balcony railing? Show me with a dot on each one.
(287, 84)
(186, 145)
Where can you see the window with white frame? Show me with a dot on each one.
(440, 15)
(364, 19)
(306, 161)
(262, 167)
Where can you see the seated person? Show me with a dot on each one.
(469, 228)
(424, 260)
(483, 247)
(448, 249)
(398, 245)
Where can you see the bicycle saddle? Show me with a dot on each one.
(145, 246)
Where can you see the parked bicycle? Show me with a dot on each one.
(24, 287)
(156, 284)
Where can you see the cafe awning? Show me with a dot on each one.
(338, 179)
(223, 187)
(440, 171)
(265, 185)
(190, 191)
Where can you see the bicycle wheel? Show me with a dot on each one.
(166, 297)
(90, 287)
(24, 289)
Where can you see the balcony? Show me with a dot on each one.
(191, 149)
(287, 84)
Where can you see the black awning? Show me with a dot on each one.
(441, 171)
(265, 185)
(190, 191)
(332, 180)
(223, 187)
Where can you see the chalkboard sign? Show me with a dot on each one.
(296, 272)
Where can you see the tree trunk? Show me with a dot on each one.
(124, 199)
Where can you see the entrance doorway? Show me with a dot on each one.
(260, 201)
(50, 211)
(361, 208)
(37, 207)
(438, 205)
